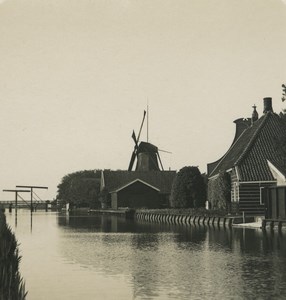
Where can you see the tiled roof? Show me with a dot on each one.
(252, 149)
(160, 179)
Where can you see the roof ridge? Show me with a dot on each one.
(252, 139)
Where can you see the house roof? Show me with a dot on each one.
(250, 152)
(162, 180)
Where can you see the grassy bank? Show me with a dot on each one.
(12, 286)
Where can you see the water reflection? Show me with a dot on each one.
(112, 258)
(177, 261)
(106, 223)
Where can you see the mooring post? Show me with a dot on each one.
(243, 217)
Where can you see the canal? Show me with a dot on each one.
(107, 257)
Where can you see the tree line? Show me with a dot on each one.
(82, 189)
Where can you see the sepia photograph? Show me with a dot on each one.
(143, 149)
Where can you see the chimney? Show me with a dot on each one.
(241, 125)
(254, 116)
(267, 105)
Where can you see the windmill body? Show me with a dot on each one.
(146, 154)
(147, 157)
(145, 184)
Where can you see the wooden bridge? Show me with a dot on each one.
(37, 204)
(33, 204)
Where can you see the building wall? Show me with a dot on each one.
(245, 196)
(138, 195)
(114, 204)
(251, 191)
(251, 197)
(275, 202)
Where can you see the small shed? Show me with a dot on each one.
(138, 189)
(136, 194)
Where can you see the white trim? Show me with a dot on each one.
(260, 194)
(126, 185)
(237, 173)
(271, 166)
(102, 181)
(235, 191)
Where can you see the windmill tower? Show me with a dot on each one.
(146, 154)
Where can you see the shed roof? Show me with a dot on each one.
(162, 180)
(253, 148)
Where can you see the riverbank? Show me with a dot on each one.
(198, 216)
(195, 216)
(11, 282)
(273, 224)
(191, 217)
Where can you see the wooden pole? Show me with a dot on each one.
(147, 121)
(16, 200)
(16, 203)
(32, 199)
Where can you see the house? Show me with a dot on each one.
(137, 189)
(255, 160)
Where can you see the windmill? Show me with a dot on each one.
(146, 154)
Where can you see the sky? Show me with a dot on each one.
(76, 76)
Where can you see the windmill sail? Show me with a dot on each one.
(147, 155)
(136, 140)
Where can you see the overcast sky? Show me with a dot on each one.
(76, 75)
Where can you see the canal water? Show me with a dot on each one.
(107, 257)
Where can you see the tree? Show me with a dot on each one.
(220, 191)
(189, 189)
(80, 188)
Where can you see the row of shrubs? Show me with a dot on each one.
(12, 286)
